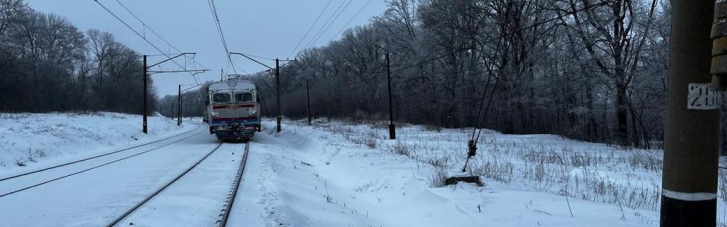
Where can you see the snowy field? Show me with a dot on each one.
(342, 174)
(30, 140)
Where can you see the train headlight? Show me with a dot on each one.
(215, 114)
(252, 112)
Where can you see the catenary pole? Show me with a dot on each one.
(689, 180)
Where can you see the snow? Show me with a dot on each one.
(338, 174)
(189, 202)
(96, 197)
(232, 84)
(329, 174)
(33, 140)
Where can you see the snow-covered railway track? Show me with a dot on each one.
(222, 222)
(223, 215)
(183, 136)
(29, 180)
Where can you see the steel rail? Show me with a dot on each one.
(126, 214)
(97, 156)
(95, 167)
(231, 197)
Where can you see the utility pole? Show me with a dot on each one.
(392, 129)
(719, 67)
(143, 127)
(307, 90)
(689, 180)
(277, 88)
(146, 72)
(179, 106)
(277, 80)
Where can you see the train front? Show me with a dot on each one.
(233, 110)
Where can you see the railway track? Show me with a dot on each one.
(227, 209)
(225, 212)
(106, 154)
(44, 181)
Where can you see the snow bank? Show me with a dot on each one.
(28, 140)
(343, 174)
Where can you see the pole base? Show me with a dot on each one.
(682, 213)
(392, 132)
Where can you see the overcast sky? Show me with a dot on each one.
(266, 28)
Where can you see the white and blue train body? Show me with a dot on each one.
(233, 108)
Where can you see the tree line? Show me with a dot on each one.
(593, 70)
(48, 64)
(192, 103)
(585, 69)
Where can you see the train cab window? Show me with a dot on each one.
(221, 97)
(243, 97)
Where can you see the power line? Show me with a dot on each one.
(349, 21)
(159, 55)
(326, 25)
(311, 28)
(216, 19)
(502, 36)
(157, 35)
(266, 58)
(140, 35)
(256, 61)
(334, 20)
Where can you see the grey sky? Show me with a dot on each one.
(267, 28)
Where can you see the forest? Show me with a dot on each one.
(47, 64)
(593, 70)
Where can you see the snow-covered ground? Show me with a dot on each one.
(329, 174)
(340, 174)
(30, 140)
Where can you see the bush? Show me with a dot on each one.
(439, 179)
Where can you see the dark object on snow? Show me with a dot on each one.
(468, 179)
(472, 149)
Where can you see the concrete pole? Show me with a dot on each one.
(179, 106)
(392, 128)
(277, 88)
(143, 127)
(689, 181)
(307, 90)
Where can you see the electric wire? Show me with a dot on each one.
(329, 20)
(162, 38)
(500, 38)
(139, 34)
(311, 28)
(349, 21)
(333, 21)
(155, 33)
(216, 18)
(256, 56)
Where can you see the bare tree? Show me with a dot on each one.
(45, 63)
(578, 68)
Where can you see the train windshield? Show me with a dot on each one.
(221, 97)
(243, 97)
